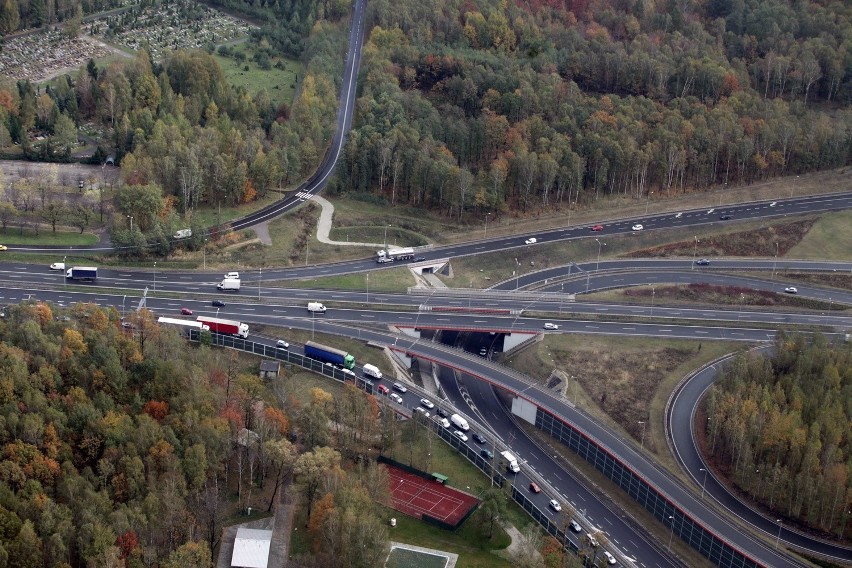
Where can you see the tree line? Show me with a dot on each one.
(470, 107)
(779, 425)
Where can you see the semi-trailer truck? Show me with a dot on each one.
(389, 255)
(328, 354)
(183, 324)
(225, 326)
(511, 462)
(82, 273)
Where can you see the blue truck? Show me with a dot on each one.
(328, 354)
(82, 273)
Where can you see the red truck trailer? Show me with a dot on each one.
(225, 326)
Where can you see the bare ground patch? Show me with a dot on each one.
(756, 242)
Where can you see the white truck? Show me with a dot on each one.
(391, 254)
(459, 422)
(511, 461)
(229, 284)
(316, 307)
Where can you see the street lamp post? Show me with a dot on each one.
(775, 261)
(778, 537)
(155, 277)
(648, 202)
(259, 281)
(671, 536)
(486, 224)
(642, 443)
(694, 252)
(131, 222)
(742, 303)
(703, 483)
(598, 263)
(386, 237)
(64, 272)
(569, 211)
(518, 274)
(122, 306)
(653, 295)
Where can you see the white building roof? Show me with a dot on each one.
(251, 548)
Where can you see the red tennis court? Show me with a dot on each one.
(419, 497)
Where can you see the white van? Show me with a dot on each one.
(372, 371)
(316, 307)
(459, 422)
(443, 422)
(232, 276)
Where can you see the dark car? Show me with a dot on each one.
(702, 262)
(186, 311)
(486, 454)
(442, 413)
(479, 438)
(418, 259)
(218, 303)
(726, 217)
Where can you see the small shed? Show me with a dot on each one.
(251, 548)
(269, 369)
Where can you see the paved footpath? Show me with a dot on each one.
(324, 225)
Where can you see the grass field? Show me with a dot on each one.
(279, 82)
(390, 280)
(829, 238)
(624, 380)
(46, 237)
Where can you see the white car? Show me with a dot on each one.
(422, 411)
(554, 504)
(551, 326)
(460, 435)
(531, 241)
(396, 398)
(637, 227)
(610, 559)
(679, 215)
(57, 266)
(773, 204)
(427, 403)
(399, 387)
(575, 526)
(791, 290)
(281, 344)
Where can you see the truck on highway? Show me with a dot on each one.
(225, 326)
(229, 285)
(82, 273)
(511, 461)
(459, 422)
(391, 254)
(183, 324)
(328, 354)
(316, 307)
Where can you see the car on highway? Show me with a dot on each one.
(57, 266)
(483, 351)
(399, 387)
(610, 559)
(702, 262)
(217, 304)
(383, 389)
(554, 504)
(726, 217)
(478, 438)
(427, 403)
(773, 204)
(575, 526)
(396, 398)
(442, 413)
(422, 411)
(534, 487)
(3, 247)
(679, 215)
(186, 311)
(281, 344)
(530, 241)
(551, 326)
(637, 227)
(791, 290)
(597, 228)
(418, 259)
(460, 435)
(486, 454)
